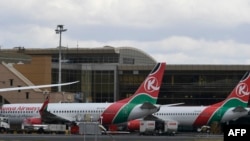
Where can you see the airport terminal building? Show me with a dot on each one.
(107, 74)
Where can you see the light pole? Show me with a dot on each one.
(59, 31)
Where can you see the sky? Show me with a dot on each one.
(171, 31)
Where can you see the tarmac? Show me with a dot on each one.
(123, 137)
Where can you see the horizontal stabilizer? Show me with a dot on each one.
(239, 109)
(148, 105)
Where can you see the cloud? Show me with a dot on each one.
(137, 13)
(185, 50)
(193, 31)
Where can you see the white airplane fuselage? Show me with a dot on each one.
(69, 111)
(187, 115)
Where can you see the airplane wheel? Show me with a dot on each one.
(2, 130)
(40, 130)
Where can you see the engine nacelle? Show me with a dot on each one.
(32, 120)
(133, 125)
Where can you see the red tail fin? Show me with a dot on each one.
(148, 91)
(150, 87)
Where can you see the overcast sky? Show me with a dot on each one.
(174, 31)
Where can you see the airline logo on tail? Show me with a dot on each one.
(148, 91)
(151, 84)
(242, 90)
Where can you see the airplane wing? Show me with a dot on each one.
(174, 104)
(34, 87)
(48, 117)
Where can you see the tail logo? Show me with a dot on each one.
(242, 90)
(151, 84)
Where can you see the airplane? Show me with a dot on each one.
(140, 104)
(231, 108)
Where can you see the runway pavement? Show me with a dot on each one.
(125, 137)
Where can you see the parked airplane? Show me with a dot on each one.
(140, 104)
(232, 108)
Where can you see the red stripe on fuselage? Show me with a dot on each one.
(206, 114)
(110, 113)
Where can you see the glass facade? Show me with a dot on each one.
(102, 86)
(98, 73)
(198, 87)
(96, 85)
(87, 58)
(104, 83)
(129, 81)
(68, 75)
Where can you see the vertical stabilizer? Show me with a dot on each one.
(150, 87)
(147, 93)
(44, 106)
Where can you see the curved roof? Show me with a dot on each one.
(124, 55)
(139, 56)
